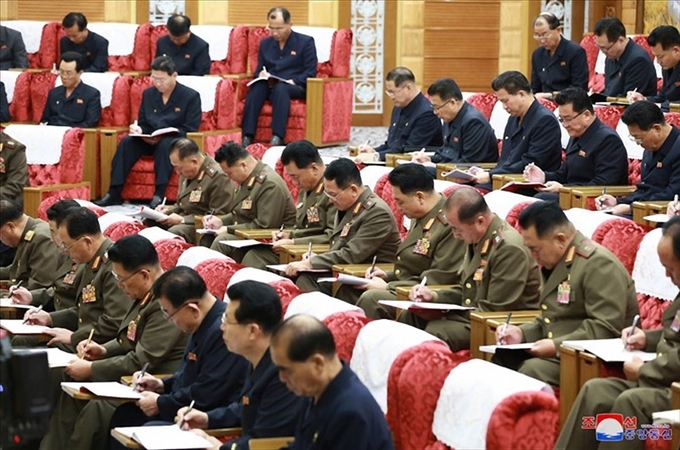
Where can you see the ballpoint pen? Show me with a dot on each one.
(423, 282)
(18, 285)
(505, 325)
(636, 319)
(375, 258)
(604, 192)
(191, 406)
(163, 202)
(279, 234)
(141, 374)
(89, 339)
(309, 251)
(31, 312)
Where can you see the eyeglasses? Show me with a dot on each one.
(160, 80)
(66, 73)
(638, 140)
(567, 121)
(335, 197)
(170, 316)
(394, 92)
(542, 36)
(66, 248)
(437, 108)
(123, 280)
(606, 49)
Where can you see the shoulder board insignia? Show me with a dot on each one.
(29, 235)
(261, 177)
(570, 255)
(369, 204)
(442, 218)
(211, 171)
(319, 188)
(429, 224)
(200, 176)
(1, 145)
(145, 299)
(299, 205)
(356, 208)
(251, 182)
(499, 236)
(586, 249)
(11, 144)
(485, 246)
(96, 263)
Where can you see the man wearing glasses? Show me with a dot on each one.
(412, 125)
(143, 337)
(166, 104)
(628, 66)
(557, 63)
(660, 178)
(596, 155)
(287, 55)
(74, 103)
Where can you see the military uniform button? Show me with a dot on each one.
(550, 334)
(547, 320)
(468, 285)
(544, 307)
(467, 301)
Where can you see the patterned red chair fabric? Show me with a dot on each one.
(335, 96)
(49, 201)
(529, 420)
(169, 251)
(634, 172)
(609, 115)
(292, 185)
(483, 102)
(595, 80)
(551, 105)
(384, 190)
(673, 118)
(287, 291)
(449, 190)
(216, 273)
(258, 149)
(119, 230)
(415, 380)
(345, 326)
(513, 215)
(651, 310)
(20, 105)
(622, 237)
(48, 51)
(69, 169)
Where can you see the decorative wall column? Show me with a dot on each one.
(367, 69)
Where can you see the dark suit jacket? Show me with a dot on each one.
(191, 58)
(12, 50)
(567, 67)
(633, 70)
(182, 111)
(296, 61)
(467, 138)
(95, 50)
(670, 91)
(4, 105)
(83, 108)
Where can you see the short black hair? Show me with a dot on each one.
(512, 81)
(307, 336)
(80, 222)
(470, 204)
(178, 25)
(134, 252)
(164, 64)
(74, 18)
(545, 217)
(411, 178)
(671, 229)
(285, 14)
(184, 147)
(230, 153)
(550, 18)
(9, 211)
(258, 303)
(57, 211)
(400, 76)
(303, 153)
(643, 114)
(344, 172)
(73, 56)
(446, 89)
(577, 97)
(666, 35)
(612, 27)
(179, 285)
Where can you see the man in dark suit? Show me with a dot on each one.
(628, 66)
(167, 104)
(74, 103)
(4, 104)
(412, 125)
(12, 50)
(93, 47)
(285, 54)
(188, 51)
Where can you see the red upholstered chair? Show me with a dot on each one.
(129, 45)
(483, 102)
(228, 46)
(345, 326)
(673, 118)
(595, 80)
(292, 185)
(169, 251)
(287, 291)
(325, 117)
(216, 273)
(651, 311)
(119, 230)
(415, 380)
(609, 115)
(527, 419)
(551, 105)
(621, 237)
(49, 201)
(20, 83)
(513, 216)
(40, 39)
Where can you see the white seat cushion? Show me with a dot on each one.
(501, 202)
(587, 221)
(250, 273)
(43, 142)
(155, 234)
(217, 37)
(371, 174)
(499, 119)
(319, 305)
(31, 32)
(205, 86)
(193, 256)
(121, 36)
(648, 273)
(323, 38)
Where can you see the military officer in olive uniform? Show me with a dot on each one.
(315, 213)
(204, 189)
(261, 200)
(100, 303)
(575, 301)
(364, 228)
(13, 168)
(144, 337)
(429, 249)
(647, 387)
(496, 274)
(36, 258)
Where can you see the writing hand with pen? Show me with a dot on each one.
(378, 279)
(192, 419)
(634, 338)
(212, 222)
(281, 238)
(673, 207)
(37, 316)
(90, 350)
(481, 176)
(20, 295)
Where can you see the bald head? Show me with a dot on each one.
(468, 203)
(304, 336)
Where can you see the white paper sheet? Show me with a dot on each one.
(424, 305)
(164, 437)
(108, 389)
(243, 243)
(17, 327)
(345, 279)
(611, 350)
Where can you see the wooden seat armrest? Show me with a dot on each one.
(569, 381)
(125, 441)
(224, 432)
(499, 180)
(259, 233)
(270, 443)
(33, 194)
(359, 270)
(391, 158)
(127, 379)
(644, 209)
(403, 291)
(580, 194)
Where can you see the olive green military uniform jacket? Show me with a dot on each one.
(429, 250)
(36, 259)
(665, 369)
(144, 336)
(497, 274)
(588, 295)
(366, 229)
(100, 303)
(210, 190)
(13, 168)
(314, 217)
(262, 201)
(64, 287)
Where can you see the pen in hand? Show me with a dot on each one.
(604, 192)
(309, 251)
(505, 328)
(89, 339)
(18, 285)
(31, 312)
(423, 282)
(141, 375)
(191, 406)
(636, 319)
(279, 234)
(370, 272)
